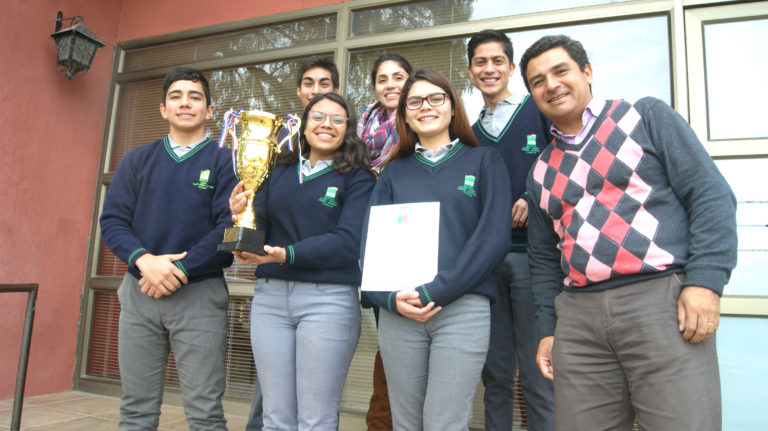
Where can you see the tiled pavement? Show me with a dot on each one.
(78, 411)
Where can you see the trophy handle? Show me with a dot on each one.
(292, 131)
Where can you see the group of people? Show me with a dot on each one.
(581, 241)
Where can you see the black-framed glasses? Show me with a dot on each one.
(415, 102)
(319, 117)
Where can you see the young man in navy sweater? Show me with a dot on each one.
(164, 214)
(513, 125)
(632, 239)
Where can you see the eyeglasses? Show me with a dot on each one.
(415, 102)
(319, 117)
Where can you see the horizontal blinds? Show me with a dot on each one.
(109, 265)
(232, 44)
(138, 119)
(103, 362)
(447, 56)
(268, 87)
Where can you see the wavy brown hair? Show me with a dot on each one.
(351, 154)
(459, 127)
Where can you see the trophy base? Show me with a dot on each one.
(244, 239)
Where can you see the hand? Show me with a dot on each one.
(150, 291)
(274, 254)
(159, 276)
(409, 305)
(520, 214)
(698, 313)
(238, 199)
(544, 357)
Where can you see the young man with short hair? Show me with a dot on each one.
(632, 239)
(164, 214)
(317, 75)
(514, 126)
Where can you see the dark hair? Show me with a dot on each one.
(352, 154)
(459, 127)
(402, 62)
(486, 36)
(186, 74)
(321, 62)
(574, 48)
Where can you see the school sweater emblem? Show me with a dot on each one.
(329, 199)
(202, 183)
(530, 145)
(469, 186)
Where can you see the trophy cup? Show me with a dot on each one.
(254, 154)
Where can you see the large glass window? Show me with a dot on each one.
(439, 12)
(726, 78)
(633, 64)
(736, 78)
(752, 224)
(743, 379)
(215, 47)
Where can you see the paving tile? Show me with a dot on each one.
(90, 423)
(38, 415)
(54, 398)
(88, 406)
(236, 423)
(351, 422)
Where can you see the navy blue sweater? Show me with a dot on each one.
(160, 203)
(318, 222)
(474, 218)
(523, 138)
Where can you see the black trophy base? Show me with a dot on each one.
(244, 239)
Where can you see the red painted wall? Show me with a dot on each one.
(142, 18)
(52, 133)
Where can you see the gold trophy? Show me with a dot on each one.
(254, 153)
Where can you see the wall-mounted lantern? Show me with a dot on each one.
(75, 45)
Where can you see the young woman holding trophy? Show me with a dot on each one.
(434, 337)
(305, 315)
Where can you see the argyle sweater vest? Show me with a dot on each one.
(624, 202)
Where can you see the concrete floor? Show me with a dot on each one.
(78, 411)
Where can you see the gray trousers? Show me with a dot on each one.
(303, 337)
(618, 354)
(433, 368)
(513, 344)
(192, 322)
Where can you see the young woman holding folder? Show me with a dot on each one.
(434, 337)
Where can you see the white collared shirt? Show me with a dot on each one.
(180, 150)
(434, 156)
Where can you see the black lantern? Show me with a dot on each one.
(75, 46)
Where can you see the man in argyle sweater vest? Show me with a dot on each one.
(632, 237)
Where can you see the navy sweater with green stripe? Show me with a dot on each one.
(523, 138)
(160, 203)
(473, 190)
(318, 222)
